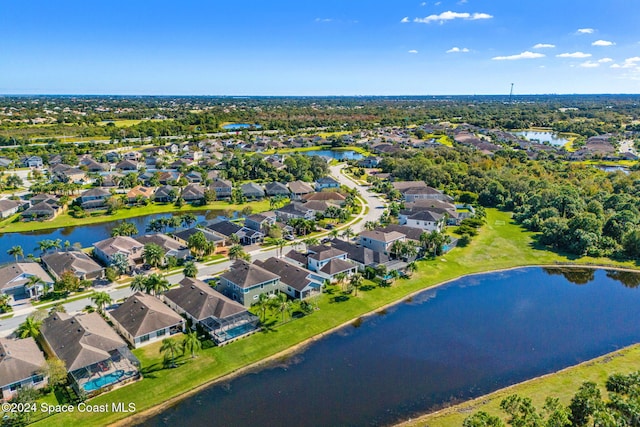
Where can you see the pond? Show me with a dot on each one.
(334, 154)
(448, 344)
(241, 126)
(86, 235)
(542, 137)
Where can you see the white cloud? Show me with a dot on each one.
(449, 15)
(413, 51)
(457, 49)
(574, 55)
(523, 55)
(424, 3)
(615, 66)
(589, 64)
(405, 20)
(605, 60)
(585, 30)
(324, 19)
(628, 63)
(544, 46)
(602, 43)
(438, 3)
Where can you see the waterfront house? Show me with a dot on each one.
(94, 354)
(224, 319)
(10, 207)
(171, 247)
(380, 241)
(276, 189)
(15, 280)
(222, 187)
(165, 194)
(94, 198)
(182, 236)
(77, 262)
(139, 193)
(252, 191)
(143, 319)
(21, 363)
(104, 250)
(427, 220)
(298, 189)
(359, 255)
(193, 193)
(246, 236)
(295, 281)
(329, 262)
(245, 282)
(42, 210)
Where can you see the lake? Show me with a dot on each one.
(240, 126)
(86, 235)
(446, 345)
(334, 154)
(540, 136)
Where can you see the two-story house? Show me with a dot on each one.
(245, 282)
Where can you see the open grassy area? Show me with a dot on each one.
(562, 384)
(65, 220)
(500, 244)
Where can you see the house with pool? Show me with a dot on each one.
(95, 356)
(224, 319)
(143, 319)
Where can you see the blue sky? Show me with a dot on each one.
(335, 47)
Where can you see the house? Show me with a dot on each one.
(318, 206)
(33, 162)
(94, 354)
(5, 162)
(325, 196)
(41, 210)
(224, 319)
(165, 194)
(93, 166)
(329, 262)
(132, 155)
(380, 241)
(222, 187)
(245, 282)
(193, 193)
(127, 165)
(104, 250)
(139, 193)
(10, 207)
(66, 173)
(246, 236)
(276, 189)
(419, 190)
(15, 280)
(94, 198)
(168, 177)
(21, 363)
(142, 319)
(427, 220)
(171, 247)
(112, 156)
(370, 162)
(183, 236)
(294, 210)
(362, 257)
(194, 177)
(299, 189)
(295, 281)
(79, 263)
(260, 222)
(326, 182)
(410, 233)
(252, 191)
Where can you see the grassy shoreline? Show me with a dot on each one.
(501, 244)
(66, 220)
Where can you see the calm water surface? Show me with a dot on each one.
(334, 154)
(459, 341)
(549, 137)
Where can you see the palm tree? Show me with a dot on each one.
(35, 281)
(234, 239)
(356, 281)
(191, 343)
(153, 254)
(190, 269)
(236, 252)
(311, 241)
(155, 284)
(169, 348)
(340, 277)
(187, 220)
(283, 304)
(124, 229)
(412, 267)
(334, 233)
(370, 225)
(280, 243)
(348, 233)
(101, 300)
(16, 251)
(29, 328)
(263, 304)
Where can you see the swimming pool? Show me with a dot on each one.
(100, 382)
(238, 330)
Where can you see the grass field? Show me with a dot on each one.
(500, 244)
(12, 224)
(562, 384)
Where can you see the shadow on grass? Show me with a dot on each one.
(268, 326)
(367, 288)
(340, 298)
(148, 371)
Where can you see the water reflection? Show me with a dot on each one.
(575, 275)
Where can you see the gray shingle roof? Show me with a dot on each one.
(19, 360)
(75, 261)
(290, 274)
(336, 266)
(142, 314)
(200, 301)
(246, 275)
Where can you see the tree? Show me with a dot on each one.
(156, 284)
(101, 300)
(35, 281)
(236, 252)
(138, 284)
(333, 234)
(68, 282)
(482, 419)
(187, 220)
(29, 328)
(263, 304)
(198, 243)
(283, 304)
(585, 403)
(56, 371)
(120, 262)
(190, 269)
(16, 251)
(412, 267)
(111, 274)
(124, 229)
(356, 281)
(348, 233)
(191, 343)
(521, 411)
(169, 348)
(153, 254)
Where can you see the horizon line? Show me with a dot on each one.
(317, 96)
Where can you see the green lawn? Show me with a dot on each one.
(65, 220)
(562, 385)
(500, 244)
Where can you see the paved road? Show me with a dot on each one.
(375, 204)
